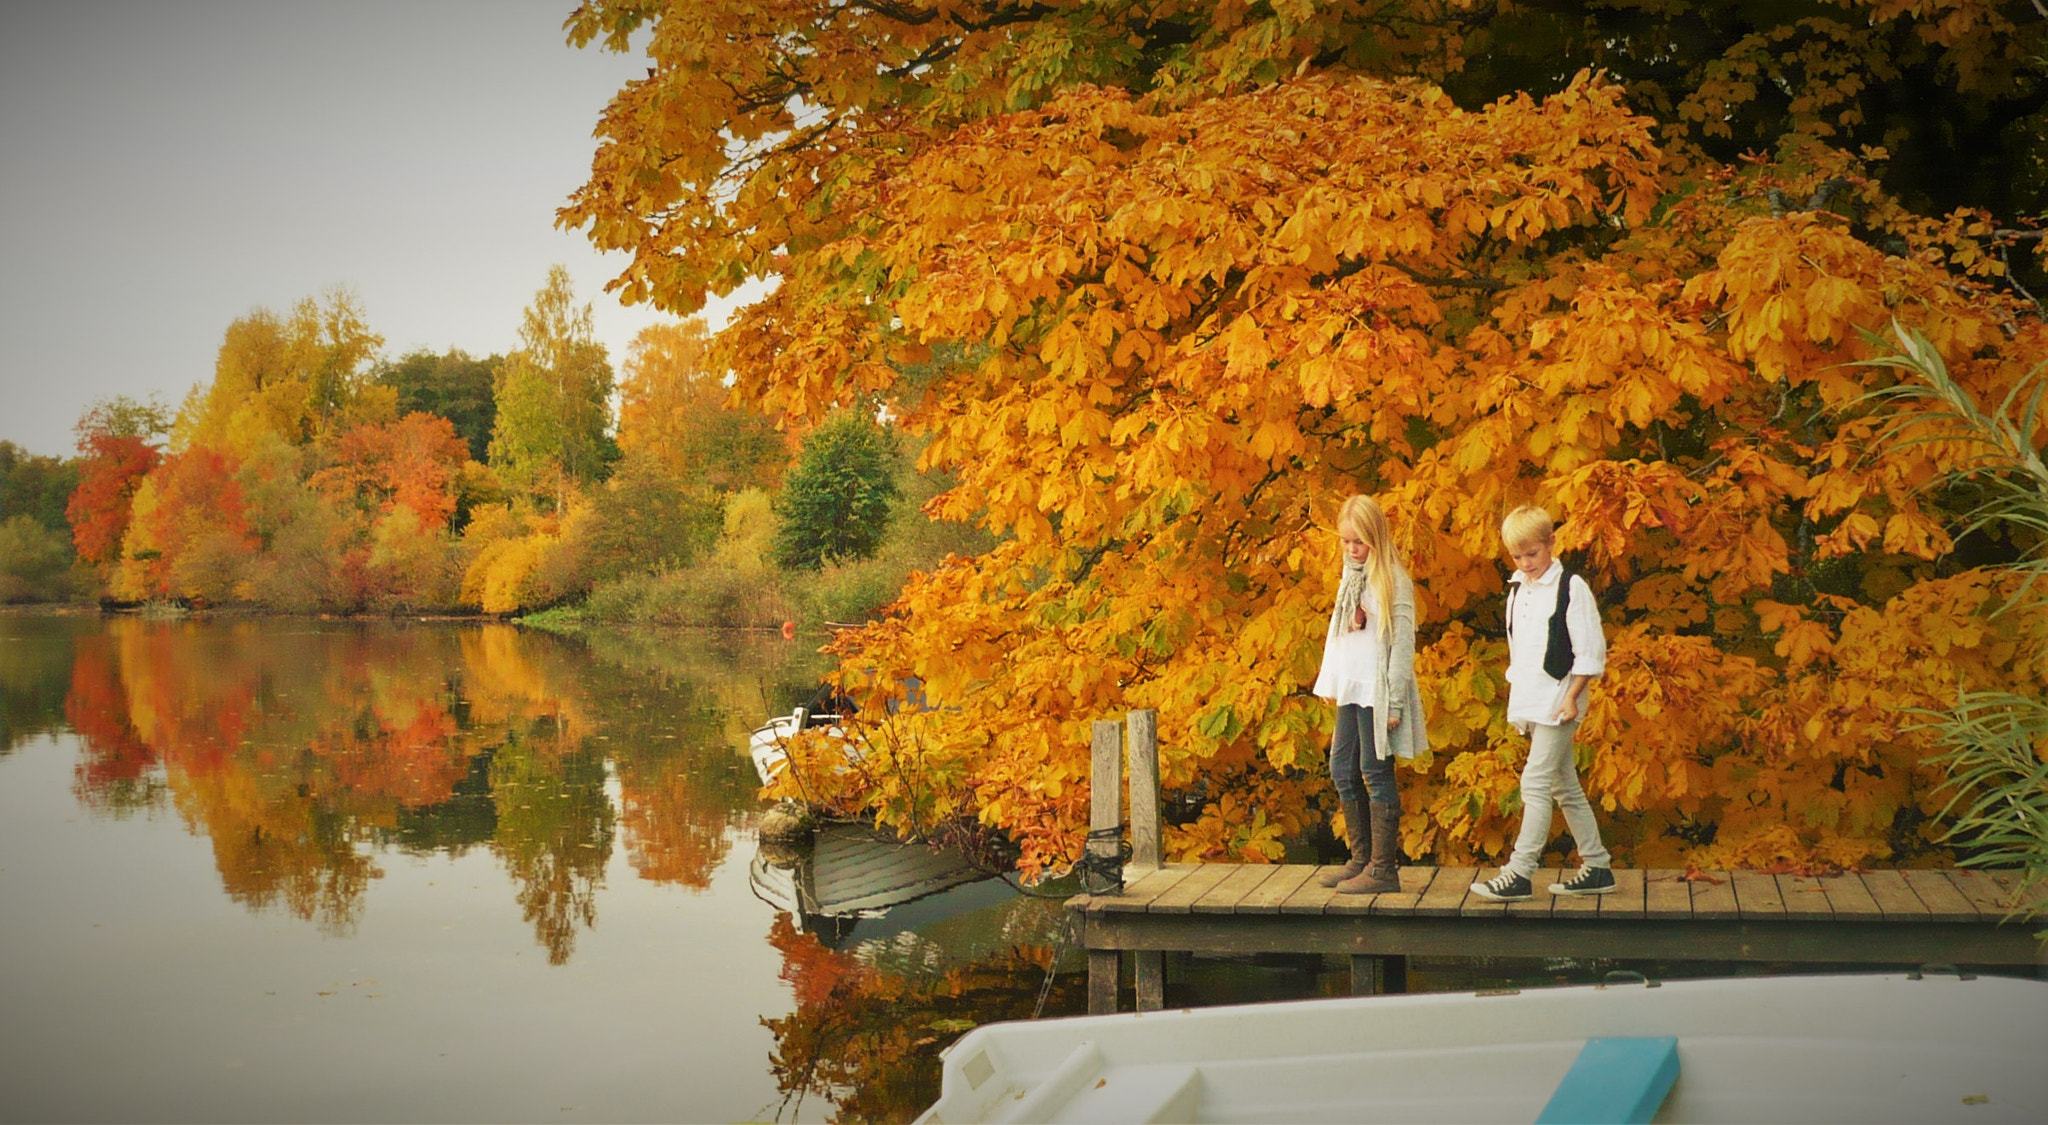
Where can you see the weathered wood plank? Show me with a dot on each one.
(1757, 895)
(1103, 968)
(1806, 900)
(1539, 906)
(1666, 897)
(1223, 897)
(1870, 942)
(1105, 796)
(1267, 897)
(1140, 893)
(1476, 907)
(2010, 881)
(1310, 898)
(1627, 899)
(1567, 905)
(1180, 898)
(1446, 894)
(1142, 754)
(1148, 979)
(1944, 902)
(1893, 896)
(1850, 898)
(1986, 892)
(1341, 903)
(1415, 883)
(1713, 898)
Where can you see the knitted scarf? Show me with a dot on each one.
(1350, 595)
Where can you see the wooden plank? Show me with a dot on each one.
(1894, 897)
(1446, 894)
(1148, 978)
(1142, 752)
(1476, 907)
(1806, 900)
(1985, 891)
(1871, 942)
(2010, 881)
(1666, 897)
(1103, 967)
(1850, 898)
(1541, 905)
(1310, 899)
(1568, 905)
(1415, 883)
(1944, 902)
(1180, 898)
(1138, 895)
(1224, 896)
(1105, 796)
(1267, 896)
(1627, 899)
(1757, 896)
(1713, 898)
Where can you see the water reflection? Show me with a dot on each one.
(301, 750)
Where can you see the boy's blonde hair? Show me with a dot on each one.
(1361, 516)
(1526, 525)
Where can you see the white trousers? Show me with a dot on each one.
(1551, 781)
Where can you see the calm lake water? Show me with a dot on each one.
(289, 870)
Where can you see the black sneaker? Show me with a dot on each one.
(1589, 881)
(1505, 887)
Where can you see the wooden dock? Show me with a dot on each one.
(1875, 918)
(1894, 918)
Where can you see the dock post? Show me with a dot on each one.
(1105, 812)
(1148, 966)
(1378, 976)
(1144, 764)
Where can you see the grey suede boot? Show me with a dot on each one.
(1354, 835)
(1383, 874)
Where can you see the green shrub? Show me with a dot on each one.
(35, 563)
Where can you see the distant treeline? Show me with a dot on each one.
(314, 475)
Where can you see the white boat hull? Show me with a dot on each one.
(1823, 1049)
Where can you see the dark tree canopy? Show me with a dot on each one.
(452, 385)
(835, 502)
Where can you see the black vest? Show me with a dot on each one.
(1557, 652)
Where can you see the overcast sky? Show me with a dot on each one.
(168, 165)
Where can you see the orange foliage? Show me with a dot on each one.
(1188, 321)
(413, 463)
(110, 470)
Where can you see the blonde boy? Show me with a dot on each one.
(1555, 648)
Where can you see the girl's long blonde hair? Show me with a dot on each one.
(1361, 516)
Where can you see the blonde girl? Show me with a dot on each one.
(1369, 672)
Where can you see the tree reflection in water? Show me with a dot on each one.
(868, 1027)
(302, 749)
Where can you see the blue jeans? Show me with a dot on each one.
(1355, 769)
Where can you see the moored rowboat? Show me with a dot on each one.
(1862, 1048)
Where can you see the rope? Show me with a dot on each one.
(1103, 874)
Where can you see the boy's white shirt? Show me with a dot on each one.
(1533, 697)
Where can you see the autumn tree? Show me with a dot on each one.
(676, 408)
(1210, 267)
(452, 385)
(291, 378)
(554, 397)
(116, 450)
